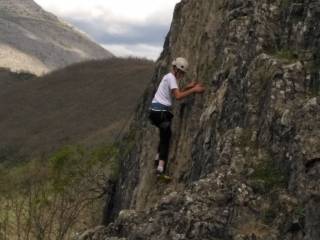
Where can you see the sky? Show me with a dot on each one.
(124, 27)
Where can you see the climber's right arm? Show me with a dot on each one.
(198, 88)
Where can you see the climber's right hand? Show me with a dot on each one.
(198, 88)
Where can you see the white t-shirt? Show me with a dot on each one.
(163, 94)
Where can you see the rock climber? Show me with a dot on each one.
(160, 109)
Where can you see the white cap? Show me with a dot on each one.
(181, 63)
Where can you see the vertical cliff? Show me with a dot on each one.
(245, 156)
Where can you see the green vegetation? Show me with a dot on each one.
(286, 54)
(57, 196)
(300, 212)
(315, 87)
(54, 198)
(23, 76)
(268, 177)
(7, 75)
(313, 69)
(269, 214)
(285, 3)
(245, 139)
(9, 154)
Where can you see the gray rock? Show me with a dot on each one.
(245, 155)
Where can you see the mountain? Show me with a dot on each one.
(245, 156)
(36, 41)
(85, 103)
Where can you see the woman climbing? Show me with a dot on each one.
(160, 114)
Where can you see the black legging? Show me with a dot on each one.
(162, 120)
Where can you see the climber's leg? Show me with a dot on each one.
(165, 136)
(162, 120)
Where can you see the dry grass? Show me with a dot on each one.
(83, 101)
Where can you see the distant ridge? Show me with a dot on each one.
(36, 41)
(84, 103)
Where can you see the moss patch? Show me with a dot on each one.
(269, 215)
(285, 3)
(286, 54)
(268, 177)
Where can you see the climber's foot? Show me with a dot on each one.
(163, 177)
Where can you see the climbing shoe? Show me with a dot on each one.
(163, 177)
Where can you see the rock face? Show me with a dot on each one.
(36, 41)
(245, 156)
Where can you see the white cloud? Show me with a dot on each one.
(122, 26)
(138, 10)
(135, 50)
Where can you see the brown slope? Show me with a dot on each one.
(10, 79)
(86, 102)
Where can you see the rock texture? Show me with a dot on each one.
(36, 41)
(245, 157)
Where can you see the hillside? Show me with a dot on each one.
(36, 41)
(10, 79)
(245, 157)
(85, 103)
